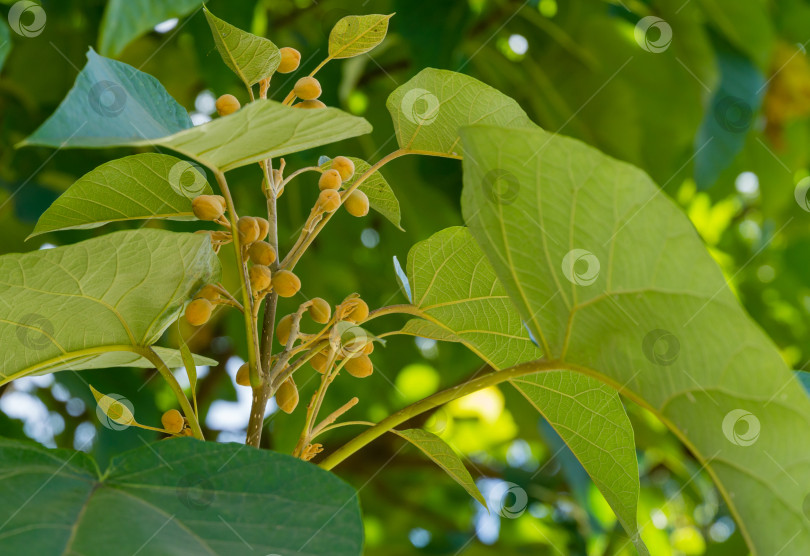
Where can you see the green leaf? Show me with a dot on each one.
(264, 129)
(94, 304)
(141, 186)
(357, 34)
(178, 496)
(380, 195)
(126, 20)
(111, 104)
(442, 455)
(747, 25)
(615, 282)
(458, 293)
(250, 57)
(429, 110)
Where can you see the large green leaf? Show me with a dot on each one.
(431, 107)
(141, 186)
(357, 34)
(456, 289)
(111, 104)
(179, 497)
(615, 283)
(443, 455)
(250, 57)
(264, 129)
(94, 303)
(380, 195)
(126, 20)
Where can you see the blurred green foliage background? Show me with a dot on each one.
(718, 116)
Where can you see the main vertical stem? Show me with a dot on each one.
(262, 394)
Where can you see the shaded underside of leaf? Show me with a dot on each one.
(147, 185)
(250, 57)
(611, 276)
(65, 308)
(111, 104)
(432, 106)
(458, 292)
(178, 496)
(443, 455)
(380, 195)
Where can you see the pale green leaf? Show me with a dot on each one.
(431, 107)
(380, 195)
(92, 304)
(428, 329)
(614, 280)
(456, 289)
(126, 20)
(141, 186)
(443, 455)
(111, 104)
(179, 496)
(250, 57)
(263, 129)
(113, 408)
(357, 34)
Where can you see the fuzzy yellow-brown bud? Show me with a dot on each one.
(344, 166)
(243, 375)
(307, 88)
(320, 310)
(319, 362)
(172, 421)
(285, 283)
(329, 200)
(186, 432)
(227, 105)
(369, 348)
(357, 203)
(330, 180)
(359, 312)
(283, 329)
(360, 366)
(248, 228)
(199, 311)
(290, 59)
(264, 227)
(262, 252)
(260, 278)
(287, 396)
(208, 207)
(209, 292)
(309, 104)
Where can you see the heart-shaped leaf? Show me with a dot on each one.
(111, 104)
(459, 295)
(357, 34)
(380, 195)
(431, 107)
(147, 185)
(250, 57)
(97, 303)
(178, 496)
(615, 283)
